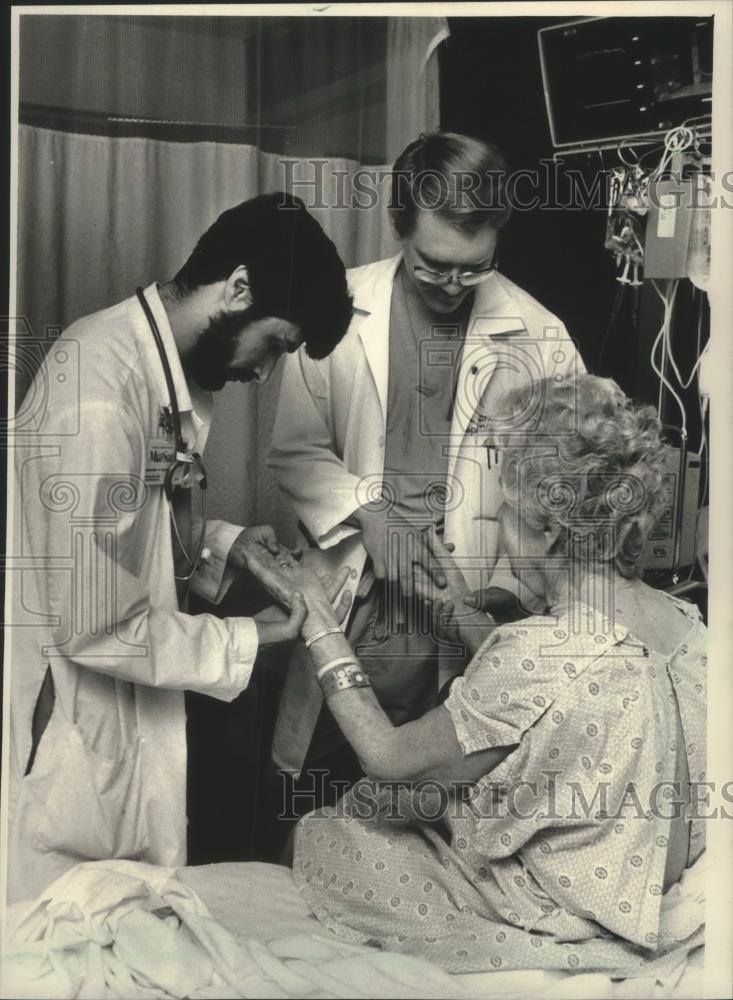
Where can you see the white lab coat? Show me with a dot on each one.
(94, 598)
(328, 443)
(329, 437)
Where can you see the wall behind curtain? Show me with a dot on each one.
(136, 132)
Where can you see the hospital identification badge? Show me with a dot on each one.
(161, 454)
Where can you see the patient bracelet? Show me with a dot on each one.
(320, 635)
(332, 664)
(340, 678)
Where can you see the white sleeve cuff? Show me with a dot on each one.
(213, 577)
(246, 645)
(240, 660)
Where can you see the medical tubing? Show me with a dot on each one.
(662, 336)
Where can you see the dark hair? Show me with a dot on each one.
(295, 272)
(461, 178)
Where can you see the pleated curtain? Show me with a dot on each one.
(136, 132)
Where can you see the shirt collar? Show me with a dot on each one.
(369, 294)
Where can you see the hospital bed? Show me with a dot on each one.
(125, 929)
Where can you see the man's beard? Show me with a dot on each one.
(210, 358)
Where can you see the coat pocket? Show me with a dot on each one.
(78, 802)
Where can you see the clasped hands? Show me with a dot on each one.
(418, 560)
(281, 573)
(422, 565)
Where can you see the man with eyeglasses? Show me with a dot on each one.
(390, 434)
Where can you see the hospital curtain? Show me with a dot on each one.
(136, 132)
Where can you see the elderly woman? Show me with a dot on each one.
(535, 818)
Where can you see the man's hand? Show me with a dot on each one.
(503, 605)
(472, 628)
(275, 625)
(258, 550)
(440, 555)
(397, 548)
(262, 535)
(454, 614)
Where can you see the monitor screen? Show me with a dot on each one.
(612, 77)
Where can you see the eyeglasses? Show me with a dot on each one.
(455, 276)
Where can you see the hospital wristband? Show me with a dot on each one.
(340, 661)
(320, 635)
(340, 678)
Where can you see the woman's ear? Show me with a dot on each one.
(237, 293)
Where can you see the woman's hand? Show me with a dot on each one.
(296, 587)
(319, 594)
(257, 549)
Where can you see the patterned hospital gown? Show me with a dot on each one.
(559, 880)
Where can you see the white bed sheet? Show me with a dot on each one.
(119, 929)
(261, 902)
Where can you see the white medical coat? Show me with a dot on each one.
(94, 599)
(329, 437)
(328, 443)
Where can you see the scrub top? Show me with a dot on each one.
(424, 354)
(394, 638)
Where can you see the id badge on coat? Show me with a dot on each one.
(160, 455)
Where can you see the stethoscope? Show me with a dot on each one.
(187, 468)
